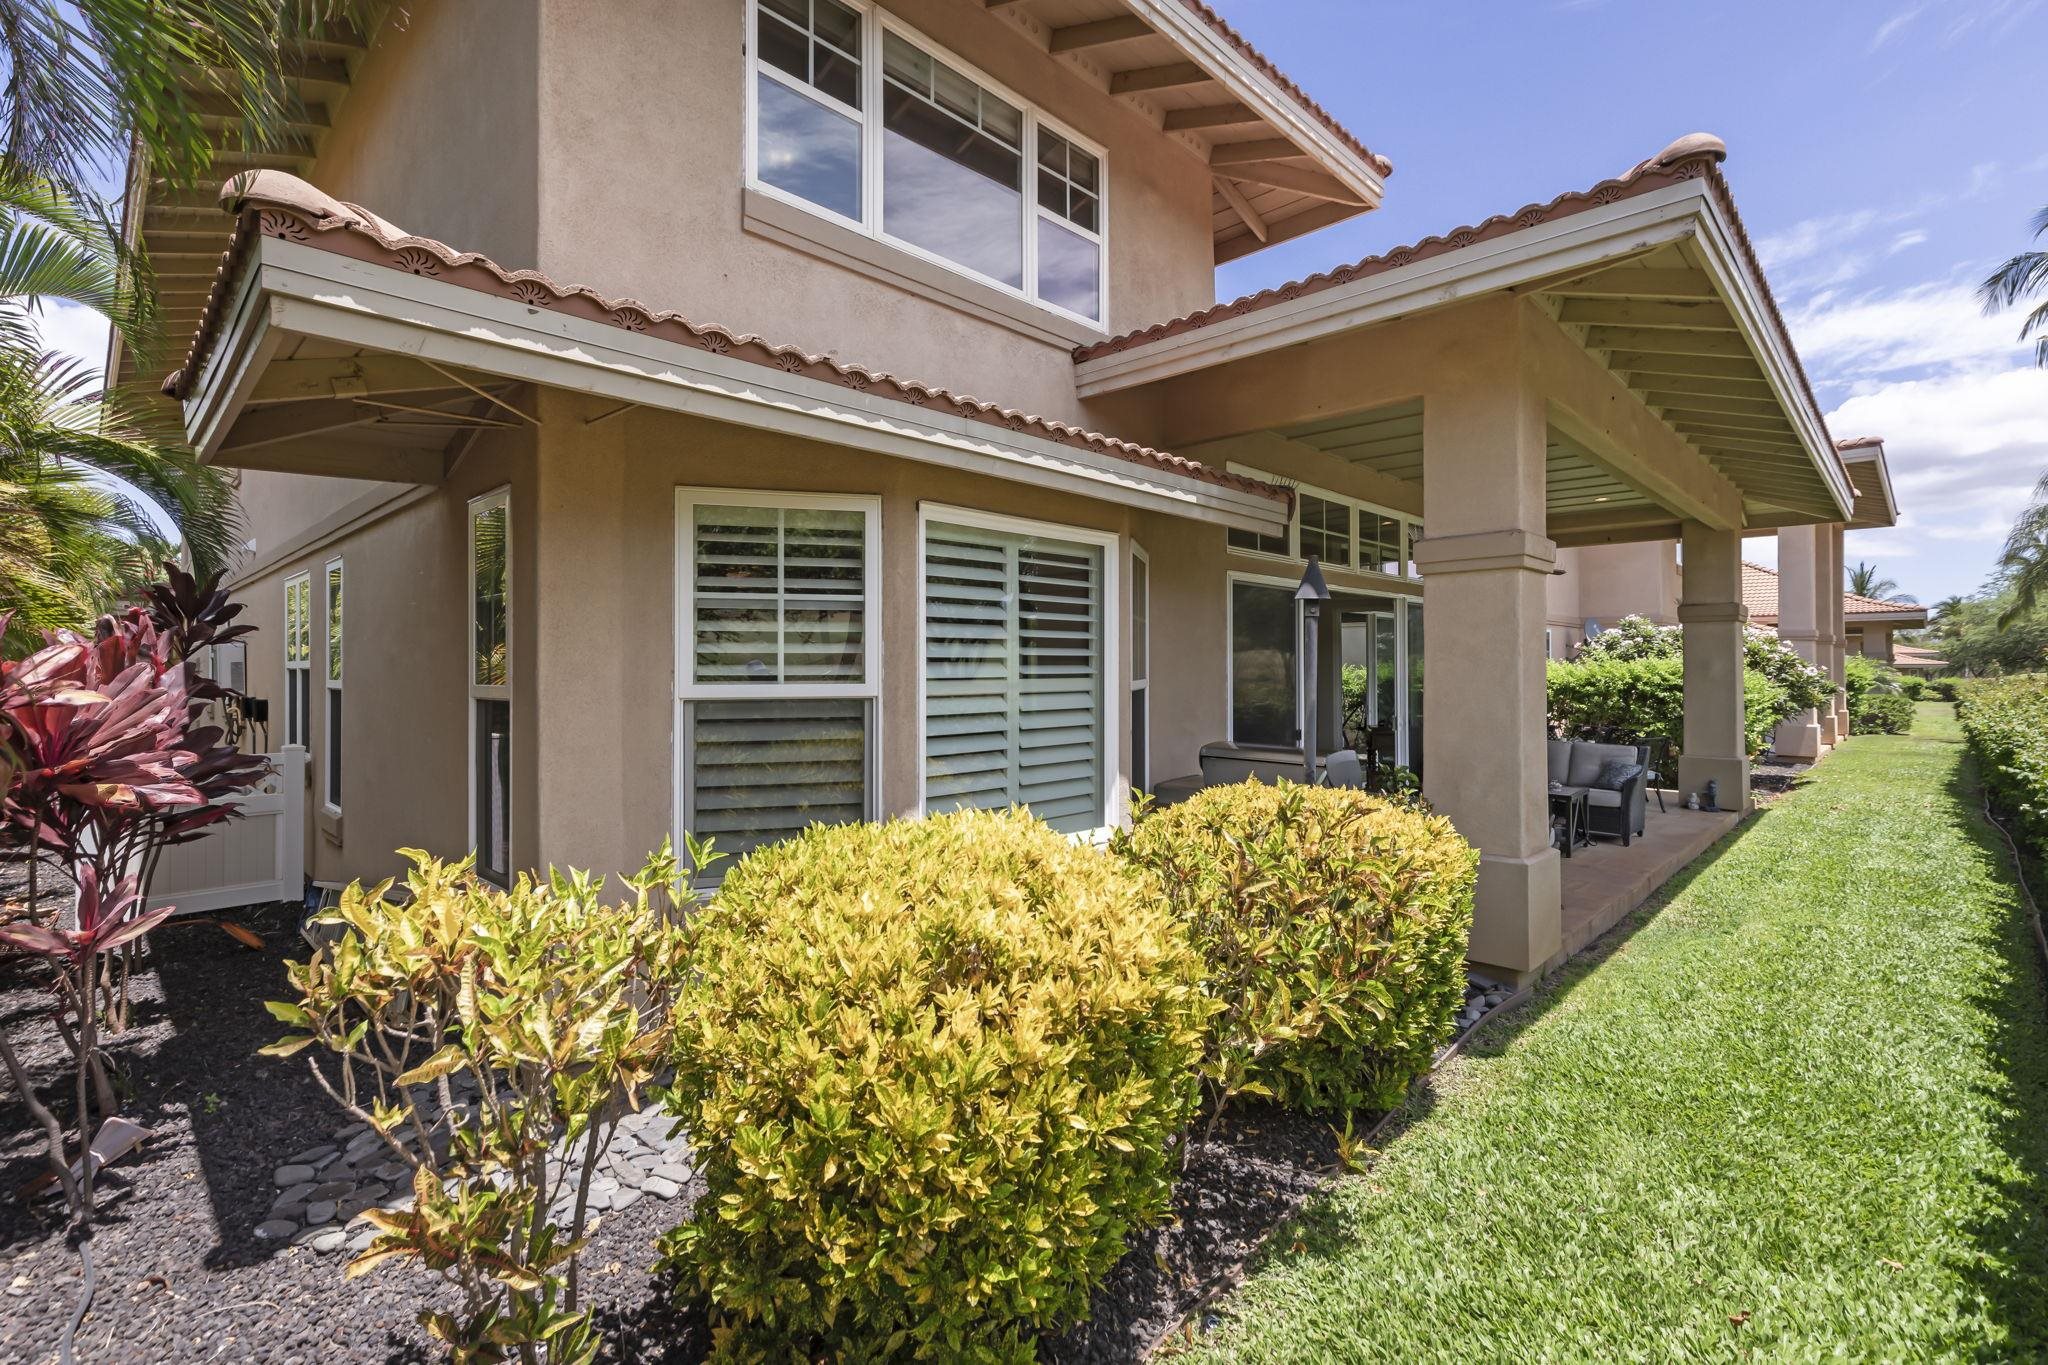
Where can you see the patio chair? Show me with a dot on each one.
(1574, 765)
(1342, 769)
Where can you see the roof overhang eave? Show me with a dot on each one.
(1258, 90)
(287, 289)
(1582, 241)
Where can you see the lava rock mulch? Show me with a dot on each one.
(183, 1273)
(188, 1269)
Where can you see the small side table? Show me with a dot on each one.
(1577, 830)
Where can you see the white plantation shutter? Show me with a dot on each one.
(764, 770)
(778, 690)
(779, 594)
(1014, 674)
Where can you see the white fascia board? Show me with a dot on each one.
(1249, 85)
(1717, 243)
(306, 291)
(1581, 241)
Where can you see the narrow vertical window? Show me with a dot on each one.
(298, 659)
(490, 685)
(1141, 670)
(780, 664)
(334, 685)
(1069, 226)
(1016, 706)
(807, 102)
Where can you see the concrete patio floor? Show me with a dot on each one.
(1603, 883)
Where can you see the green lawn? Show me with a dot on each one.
(1799, 1113)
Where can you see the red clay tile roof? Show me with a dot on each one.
(1693, 157)
(1760, 595)
(1279, 78)
(276, 204)
(1858, 442)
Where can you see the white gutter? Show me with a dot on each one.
(293, 289)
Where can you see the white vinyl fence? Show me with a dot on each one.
(258, 858)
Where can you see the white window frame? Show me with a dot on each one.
(873, 23)
(331, 778)
(1142, 682)
(688, 690)
(298, 629)
(1116, 796)
(497, 497)
(1408, 522)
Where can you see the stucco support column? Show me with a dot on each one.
(588, 597)
(1799, 627)
(1485, 564)
(1712, 612)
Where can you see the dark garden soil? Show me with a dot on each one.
(182, 1276)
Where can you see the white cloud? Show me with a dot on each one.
(1811, 236)
(74, 330)
(1890, 27)
(1911, 238)
(1854, 339)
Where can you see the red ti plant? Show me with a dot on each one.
(111, 765)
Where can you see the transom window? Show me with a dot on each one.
(780, 670)
(863, 120)
(1342, 532)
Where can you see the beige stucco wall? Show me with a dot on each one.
(603, 609)
(642, 178)
(1613, 581)
(405, 702)
(439, 133)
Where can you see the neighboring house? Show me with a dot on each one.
(608, 369)
(1868, 622)
(1915, 659)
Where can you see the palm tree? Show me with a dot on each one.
(2023, 564)
(73, 540)
(1864, 582)
(87, 85)
(2020, 278)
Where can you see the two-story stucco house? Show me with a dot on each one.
(731, 414)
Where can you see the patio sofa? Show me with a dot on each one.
(1575, 766)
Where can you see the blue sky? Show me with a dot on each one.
(1885, 157)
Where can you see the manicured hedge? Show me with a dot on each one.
(1644, 698)
(936, 1071)
(1334, 927)
(1879, 702)
(2006, 723)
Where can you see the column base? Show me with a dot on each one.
(1799, 739)
(1731, 775)
(1517, 924)
(1830, 728)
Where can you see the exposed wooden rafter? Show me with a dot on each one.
(1242, 207)
(1260, 149)
(1299, 179)
(1098, 33)
(1167, 76)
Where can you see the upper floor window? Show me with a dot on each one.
(859, 118)
(1342, 532)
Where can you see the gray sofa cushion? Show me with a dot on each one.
(1560, 760)
(1587, 758)
(1600, 796)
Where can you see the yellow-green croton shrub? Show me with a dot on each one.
(936, 1071)
(555, 1003)
(1333, 924)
